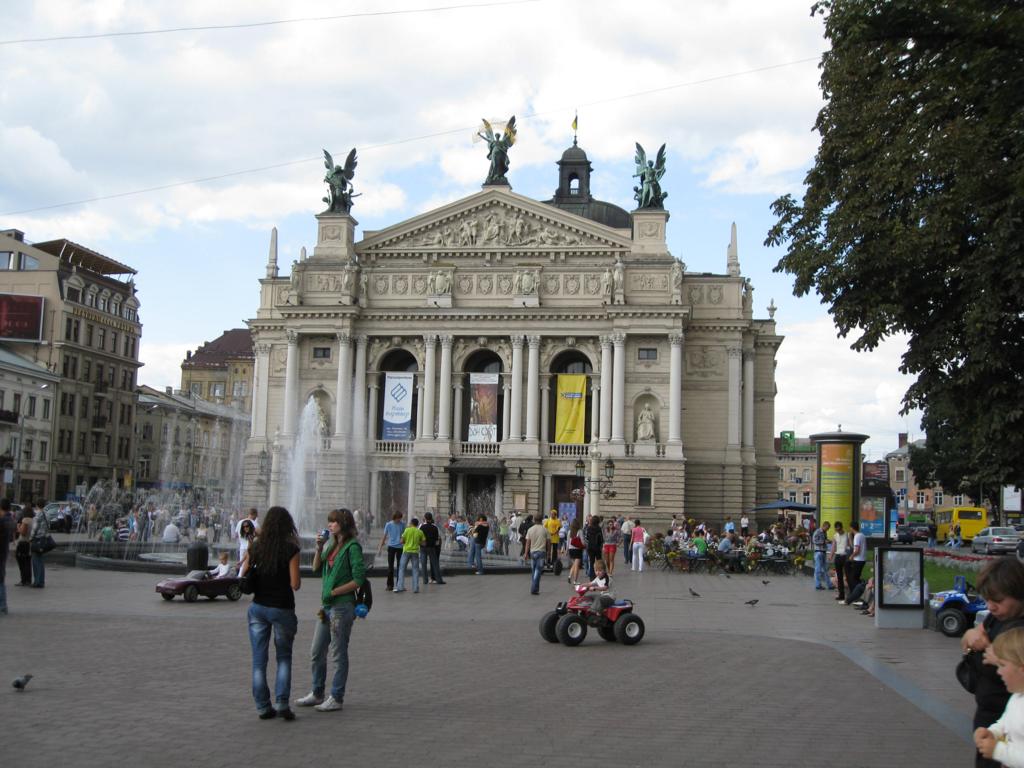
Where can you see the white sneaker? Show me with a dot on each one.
(330, 705)
(309, 700)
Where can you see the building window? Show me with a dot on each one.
(240, 389)
(958, 500)
(792, 475)
(807, 497)
(217, 389)
(88, 335)
(46, 407)
(938, 498)
(319, 353)
(807, 475)
(644, 492)
(31, 407)
(196, 388)
(647, 353)
(901, 475)
(101, 338)
(29, 445)
(792, 496)
(920, 498)
(43, 447)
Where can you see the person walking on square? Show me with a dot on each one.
(430, 552)
(412, 540)
(537, 541)
(553, 525)
(40, 528)
(575, 552)
(819, 541)
(23, 548)
(339, 560)
(477, 542)
(838, 555)
(612, 541)
(858, 557)
(626, 526)
(595, 544)
(393, 539)
(1001, 583)
(6, 536)
(524, 549)
(638, 540)
(274, 560)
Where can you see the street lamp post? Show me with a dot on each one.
(601, 485)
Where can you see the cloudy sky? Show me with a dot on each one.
(132, 123)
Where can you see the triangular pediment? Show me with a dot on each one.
(494, 220)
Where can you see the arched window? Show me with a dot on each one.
(574, 184)
(396, 361)
(570, 362)
(484, 400)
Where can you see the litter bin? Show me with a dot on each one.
(197, 556)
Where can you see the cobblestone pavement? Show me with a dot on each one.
(459, 676)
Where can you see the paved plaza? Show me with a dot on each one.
(458, 675)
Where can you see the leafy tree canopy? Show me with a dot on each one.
(912, 215)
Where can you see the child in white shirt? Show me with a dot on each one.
(1003, 741)
(599, 586)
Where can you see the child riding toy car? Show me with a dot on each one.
(614, 620)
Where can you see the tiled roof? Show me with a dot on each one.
(230, 345)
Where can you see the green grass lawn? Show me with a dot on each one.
(938, 577)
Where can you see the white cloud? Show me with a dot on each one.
(162, 363)
(762, 161)
(822, 384)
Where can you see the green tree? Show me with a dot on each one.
(911, 220)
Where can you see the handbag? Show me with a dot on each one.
(43, 544)
(967, 672)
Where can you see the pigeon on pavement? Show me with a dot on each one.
(766, 582)
(752, 602)
(692, 592)
(21, 682)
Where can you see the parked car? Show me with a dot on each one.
(63, 516)
(1001, 540)
(919, 531)
(198, 583)
(904, 534)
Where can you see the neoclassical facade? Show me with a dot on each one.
(677, 388)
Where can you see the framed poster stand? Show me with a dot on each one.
(899, 588)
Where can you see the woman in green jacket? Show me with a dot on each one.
(339, 559)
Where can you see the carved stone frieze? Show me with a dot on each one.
(593, 283)
(485, 285)
(401, 285)
(715, 294)
(705, 362)
(505, 284)
(572, 285)
(695, 294)
(465, 285)
(552, 285)
(646, 281)
(419, 285)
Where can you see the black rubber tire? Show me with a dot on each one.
(166, 597)
(629, 629)
(547, 626)
(952, 622)
(234, 592)
(571, 629)
(558, 568)
(191, 593)
(607, 633)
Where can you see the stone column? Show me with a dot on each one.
(343, 424)
(371, 415)
(291, 383)
(595, 408)
(748, 398)
(499, 495)
(595, 476)
(619, 388)
(359, 390)
(444, 408)
(457, 415)
(532, 387)
(411, 507)
(260, 387)
(515, 432)
(418, 379)
(733, 434)
(506, 407)
(460, 493)
(675, 388)
(429, 382)
(545, 409)
(606, 389)
(548, 500)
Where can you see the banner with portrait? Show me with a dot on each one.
(571, 409)
(398, 389)
(483, 407)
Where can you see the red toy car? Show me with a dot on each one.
(614, 621)
(199, 583)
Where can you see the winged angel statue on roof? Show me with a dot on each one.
(649, 194)
(497, 150)
(339, 183)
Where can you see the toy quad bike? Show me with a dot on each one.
(955, 609)
(569, 621)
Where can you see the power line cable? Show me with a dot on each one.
(408, 140)
(254, 24)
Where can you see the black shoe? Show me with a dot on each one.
(286, 714)
(270, 714)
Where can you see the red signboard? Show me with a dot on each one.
(21, 317)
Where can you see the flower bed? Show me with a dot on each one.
(954, 558)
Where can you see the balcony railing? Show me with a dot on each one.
(9, 417)
(479, 449)
(393, 446)
(575, 450)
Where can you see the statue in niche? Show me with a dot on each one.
(295, 282)
(498, 146)
(516, 231)
(649, 194)
(321, 420)
(619, 276)
(645, 424)
(364, 286)
(677, 282)
(339, 183)
(492, 228)
(606, 284)
(346, 280)
(748, 295)
(442, 283)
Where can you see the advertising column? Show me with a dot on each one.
(838, 476)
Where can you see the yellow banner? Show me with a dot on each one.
(835, 493)
(571, 411)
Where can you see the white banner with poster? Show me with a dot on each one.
(398, 389)
(483, 407)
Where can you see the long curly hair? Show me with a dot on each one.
(273, 541)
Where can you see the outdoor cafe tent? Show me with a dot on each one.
(782, 504)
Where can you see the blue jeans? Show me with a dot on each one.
(335, 633)
(413, 559)
(284, 625)
(38, 571)
(476, 556)
(537, 560)
(821, 570)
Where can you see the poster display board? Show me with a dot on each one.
(839, 470)
(397, 422)
(899, 578)
(483, 407)
(571, 410)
